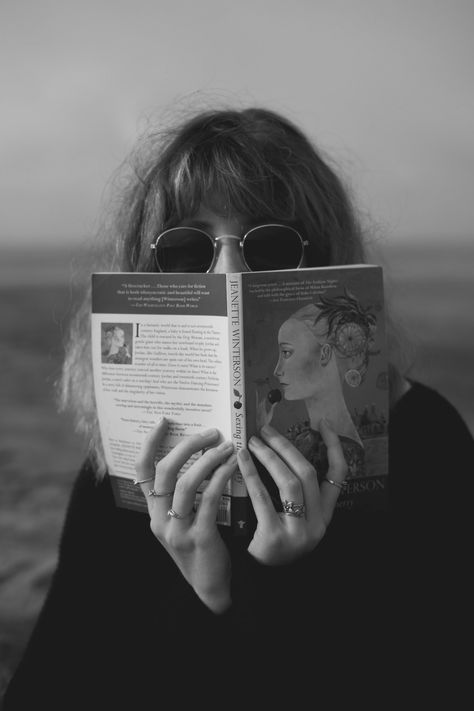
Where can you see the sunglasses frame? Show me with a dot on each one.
(214, 240)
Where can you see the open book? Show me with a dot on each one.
(237, 351)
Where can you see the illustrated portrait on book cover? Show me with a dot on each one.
(324, 350)
(117, 343)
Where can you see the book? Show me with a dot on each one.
(237, 351)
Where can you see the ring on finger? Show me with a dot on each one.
(291, 508)
(152, 492)
(174, 514)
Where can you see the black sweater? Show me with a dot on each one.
(375, 608)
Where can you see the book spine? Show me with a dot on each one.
(240, 499)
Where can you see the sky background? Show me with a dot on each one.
(384, 87)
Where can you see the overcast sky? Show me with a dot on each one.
(386, 87)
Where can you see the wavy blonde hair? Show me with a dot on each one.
(254, 161)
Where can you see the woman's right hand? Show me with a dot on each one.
(192, 539)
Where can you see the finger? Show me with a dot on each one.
(337, 470)
(299, 465)
(169, 467)
(187, 485)
(261, 500)
(289, 486)
(271, 412)
(145, 463)
(166, 471)
(286, 480)
(208, 510)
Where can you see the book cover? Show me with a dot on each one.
(236, 351)
(315, 346)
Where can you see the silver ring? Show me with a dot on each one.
(152, 492)
(291, 508)
(340, 484)
(143, 481)
(173, 514)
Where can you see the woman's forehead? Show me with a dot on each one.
(222, 204)
(296, 332)
(218, 218)
(215, 210)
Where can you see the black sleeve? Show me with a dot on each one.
(431, 467)
(117, 603)
(67, 641)
(431, 470)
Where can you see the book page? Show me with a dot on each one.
(160, 348)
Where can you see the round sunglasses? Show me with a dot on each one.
(264, 248)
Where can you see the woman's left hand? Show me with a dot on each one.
(264, 410)
(283, 537)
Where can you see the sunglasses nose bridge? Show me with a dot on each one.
(227, 237)
(228, 255)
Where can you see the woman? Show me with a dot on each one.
(166, 608)
(322, 346)
(115, 349)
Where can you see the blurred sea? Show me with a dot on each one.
(430, 286)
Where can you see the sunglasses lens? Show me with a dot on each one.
(272, 247)
(183, 249)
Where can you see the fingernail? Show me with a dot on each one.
(243, 455)
(225, 446)
(209, 434)
(253, 441)
(326, 422)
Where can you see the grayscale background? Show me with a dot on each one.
(386, 88)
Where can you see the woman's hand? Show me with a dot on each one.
(192, 539)
(264, 409)
(282, 537)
